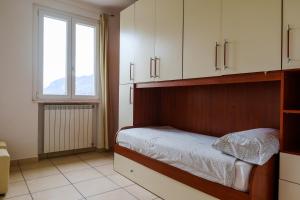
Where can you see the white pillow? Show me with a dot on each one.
(255, 146)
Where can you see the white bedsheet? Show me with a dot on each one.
(188, 151)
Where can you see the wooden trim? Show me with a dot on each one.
(227, 79)
(261, 182)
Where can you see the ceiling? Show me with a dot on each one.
(110, 5)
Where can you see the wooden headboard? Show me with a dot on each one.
(210, 109)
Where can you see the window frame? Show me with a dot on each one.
(71, 20)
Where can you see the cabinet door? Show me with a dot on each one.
(127, 45)
(252, 29)
(145, 39)
(202, 35)
(291, 34)
(125, 105)
(288, 190)
(168, 44)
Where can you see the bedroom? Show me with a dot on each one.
(149, 99)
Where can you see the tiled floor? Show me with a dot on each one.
(85, 176)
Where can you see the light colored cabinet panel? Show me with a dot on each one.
(288, 191)
(126, 105)
(127, 42)
(159, 184)
(145, 40)
(168, 40)
(289, 167)
(291, 34)
(252, 30)
(202, 35)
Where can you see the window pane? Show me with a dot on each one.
(55, 57)
(85, 60)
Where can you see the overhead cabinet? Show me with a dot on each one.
(127, 41)
(291, 34)
(158, 29)
(231, 36)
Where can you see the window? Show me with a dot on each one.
(67, 57)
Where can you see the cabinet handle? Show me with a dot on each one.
(288, 43)
(151, 62)
(131, 71)
(130, 95)
(157, 65)
(216, 56)
(225, 54)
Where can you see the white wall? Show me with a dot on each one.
(18, 114)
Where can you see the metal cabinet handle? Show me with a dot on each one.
(157, 65)
(288, 53)
(131, 71)
(225, 54)
(130, 95)
(216, 56)
(151, 67)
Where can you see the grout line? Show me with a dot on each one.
(21, 170)
(68, 180)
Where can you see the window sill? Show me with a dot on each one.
(94, 101)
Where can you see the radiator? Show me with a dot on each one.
(67, 127)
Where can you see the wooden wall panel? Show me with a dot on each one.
(213, 110)
(113, 79)
(219, 109)
(146, 107)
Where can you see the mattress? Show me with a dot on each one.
(188, 151)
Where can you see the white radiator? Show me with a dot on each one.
(67, 127)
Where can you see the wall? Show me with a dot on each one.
(18, 113)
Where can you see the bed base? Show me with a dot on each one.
(263, 181)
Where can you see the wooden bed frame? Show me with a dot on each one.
(262, 186)
(204, 106)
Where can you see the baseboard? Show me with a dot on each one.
(70, 152)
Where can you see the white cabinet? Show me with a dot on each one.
(289, 183)
(288, 190)
(231, 36)
(168, 40)
(202, 37)
(291, 34)
(145, 40)
(125, 105)
(252, 30)
(158, 28)
(127, 42)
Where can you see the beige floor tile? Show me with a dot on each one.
(48, 182)
(62, 193)
(15, 176)
(121, 180)
(65, 159)
(39, 172)
(95, 162)
(106, 170)
(17, 189)
(14, 168)
(23, 197)
(114, 195)
(140, 192)
(86, 156)
(95, 186)
(72, 166)
(82, 175)
(33, 165)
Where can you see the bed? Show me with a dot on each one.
(191, 159)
